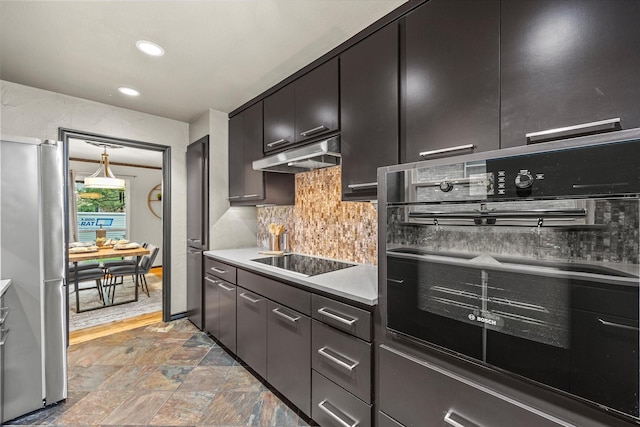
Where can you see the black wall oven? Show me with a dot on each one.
(525, 260)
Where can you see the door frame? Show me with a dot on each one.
(65, 134)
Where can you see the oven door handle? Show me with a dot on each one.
(617, 325)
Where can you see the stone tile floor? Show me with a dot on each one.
(167, 374)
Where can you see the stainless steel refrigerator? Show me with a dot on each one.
(32, 255)
(197, 225)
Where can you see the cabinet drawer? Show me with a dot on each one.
(413, 390)
(282, 293)
(352, 320)
(220, 269)
(332, 406)
(343, 359)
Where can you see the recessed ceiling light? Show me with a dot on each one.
(128, 91)
(150, 48)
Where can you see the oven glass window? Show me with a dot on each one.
(545, 289)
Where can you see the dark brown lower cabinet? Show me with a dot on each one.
(211, 306)
(227, 310)
(334, 406)
(289, 354)
(252, 330)
(342, 358)
(220, 310)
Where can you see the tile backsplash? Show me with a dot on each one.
(320, 223)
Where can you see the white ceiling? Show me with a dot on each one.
(219, 53)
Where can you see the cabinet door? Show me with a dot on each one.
(197, 192)
(368, 112)
(450, 78)
(227, 310)
(316, 102)
(252, 330)
(211, 306)
(279, 117)
(236, 157)
(194, 287)
(568, 63)
(253, 180)
(289, 354)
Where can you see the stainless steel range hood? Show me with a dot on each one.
(320, 154)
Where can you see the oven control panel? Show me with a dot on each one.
(600, 170)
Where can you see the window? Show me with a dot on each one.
(100, 208)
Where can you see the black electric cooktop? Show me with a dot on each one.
(305, 265)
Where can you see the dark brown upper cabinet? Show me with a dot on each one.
(368, 112)
(279, 119)
(450, 96)
(568, 63)
(304, 109)
(245, 134)
(316, 102)
(248, 186)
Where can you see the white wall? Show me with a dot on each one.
(27, 111)
(143, 225)
(229, 227)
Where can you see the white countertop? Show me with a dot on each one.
(359, 283)
(4, 285)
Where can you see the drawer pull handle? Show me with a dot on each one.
(313, 130)
(396, 281)
(447, 150)
(286, 316)
(226, 288)
(323, 352)
(448, 418)
(4, 312)
(278, 142)
(323, 405)
(3, 336)
(218, 270)
(233, 197)
(247, 196)
(346, 320)
(575, 130)
(362, 186)
(213, 282)
(248, 298)
(617, 325)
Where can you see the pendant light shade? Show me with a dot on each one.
(103, 177)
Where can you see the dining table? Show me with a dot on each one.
(104, 252)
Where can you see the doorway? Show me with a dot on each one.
(136, 156)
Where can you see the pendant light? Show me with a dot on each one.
(103, 177)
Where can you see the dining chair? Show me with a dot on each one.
(85, 272)
(116, 271)
(119, 262)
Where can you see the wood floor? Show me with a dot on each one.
(82, 335)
